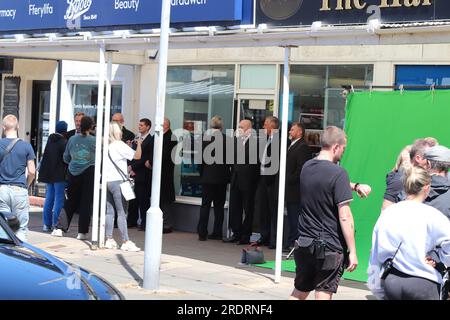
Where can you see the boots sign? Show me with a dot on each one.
(30, 16)
(305, 12)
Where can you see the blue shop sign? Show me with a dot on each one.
(65, 15)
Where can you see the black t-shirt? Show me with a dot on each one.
(323, 186)
(394, 186)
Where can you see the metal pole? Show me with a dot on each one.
(98, 147)
(282, 187)
(153, 234)
(101, 242)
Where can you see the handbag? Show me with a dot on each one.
(252, 254)
(127, 186)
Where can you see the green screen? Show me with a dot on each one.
(378, 126)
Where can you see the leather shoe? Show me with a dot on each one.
(202, 238)
(167, 230)
(262, 242)
(243, 241)
(215, 237)
(272, 246)
(231, 239)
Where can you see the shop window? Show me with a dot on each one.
(315, 95)
(194, 95)
(84, 98)
(257, 76)
(410, 75)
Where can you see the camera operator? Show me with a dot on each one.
(419, 229)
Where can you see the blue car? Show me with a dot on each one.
(29, 273)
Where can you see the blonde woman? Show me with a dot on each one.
(120, 153)
(407, 232)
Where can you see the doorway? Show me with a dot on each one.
(40, 121)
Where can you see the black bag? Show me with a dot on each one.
(252, 255)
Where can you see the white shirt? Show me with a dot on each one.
(293, 143)
(420, 228)
(120, 152)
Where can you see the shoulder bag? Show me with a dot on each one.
(127, 186)
(9, 148)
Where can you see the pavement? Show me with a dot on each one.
(190, 269)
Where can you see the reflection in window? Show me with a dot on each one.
(316, 99)
(84, 98)
(194, 95)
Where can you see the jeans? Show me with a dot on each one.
(115, 200)
(14, 199)
(54, 201)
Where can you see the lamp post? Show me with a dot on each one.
(153, 234)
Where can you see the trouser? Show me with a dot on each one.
(212, 193)
(80, 192)
(143, 192)
(400, 286)
(267, 196)
(54, 202)
(14, 200)
(293, 212)
(242, 201)
(115, 200)
(166, 208)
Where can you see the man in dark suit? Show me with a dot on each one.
(167, 196)
(214, 176)
(244, 178)
(142, 176)
(267, 191)
(77, 118)
(127, 135)
(298, 153)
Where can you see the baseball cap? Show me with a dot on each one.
(438, 153)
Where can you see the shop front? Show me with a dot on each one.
(234, 70)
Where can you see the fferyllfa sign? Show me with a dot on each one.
(305, 12)
(59, 15)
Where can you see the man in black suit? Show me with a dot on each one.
(77, 118)
(267, 191)
(127, 135)
(298, 153)
(214, 176)
(167, 195)
(244, 178)
(142, 176)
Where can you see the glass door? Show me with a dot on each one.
(255, 108)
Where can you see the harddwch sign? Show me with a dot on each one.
(25, 16)
(305, 12)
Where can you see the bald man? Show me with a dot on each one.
(127, 135)
(244, 178)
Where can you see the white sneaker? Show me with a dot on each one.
(129, 246)
(57, 233)
(110, 244)
(82, 236)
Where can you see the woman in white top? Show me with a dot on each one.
(119, 152)
(414, 229)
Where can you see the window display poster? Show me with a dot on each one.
(11, 96)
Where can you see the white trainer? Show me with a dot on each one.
(57, 233)
(129, 246)
(82, 236)
(110, 244)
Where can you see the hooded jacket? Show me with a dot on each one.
(52, 168)
(439, 196)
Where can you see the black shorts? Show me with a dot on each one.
(320, 275)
